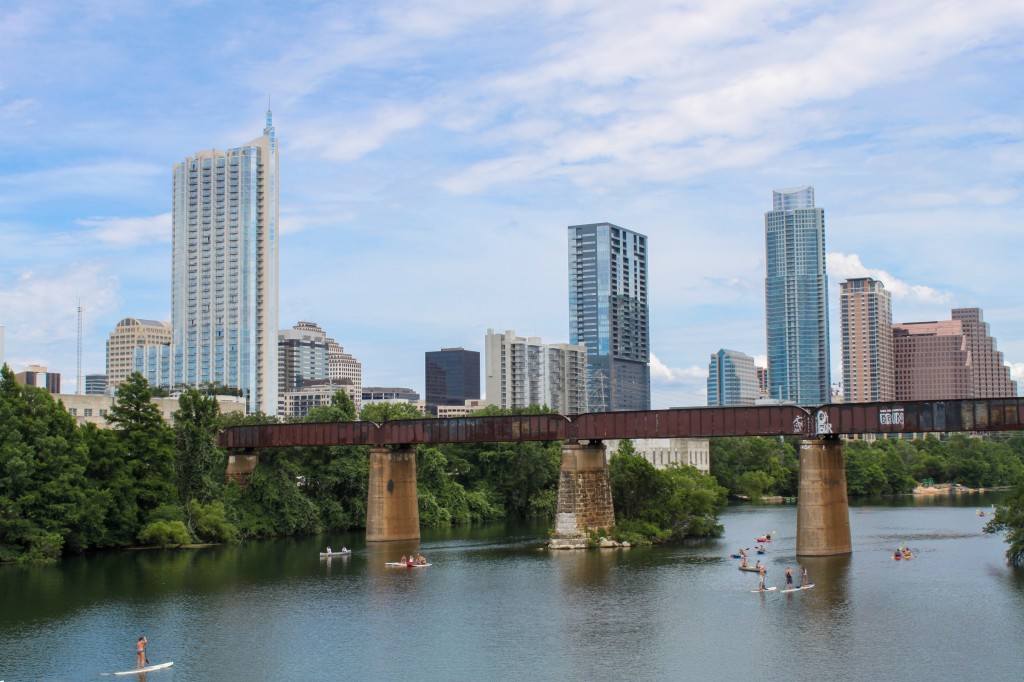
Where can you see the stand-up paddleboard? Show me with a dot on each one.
(767, 589)
(802, 587)
(147, 669)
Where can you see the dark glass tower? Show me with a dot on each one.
(452, 376)
(796, 299)
(608, 312)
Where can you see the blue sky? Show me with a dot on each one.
(433, 153)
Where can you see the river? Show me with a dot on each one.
(496, 605)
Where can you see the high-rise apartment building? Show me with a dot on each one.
(866, 319)
(608, 314)
(796, 299)
(154, 363)
(312, 368)
(225, 265)
(732, 379)
(301, 356)
(949, 360)
(990, 377)
(525, 371)
(129, 334)
(452, 376)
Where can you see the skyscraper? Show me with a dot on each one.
(225, 255)
(452, 376)
(796, 298)
(866, 320)
(130, 334)
(608, 312)
(732, 379)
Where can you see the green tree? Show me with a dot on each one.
(1009, 519)
(199, 465)
(379, 413)
(44, 506)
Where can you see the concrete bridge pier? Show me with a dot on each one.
(392, 511)
(584, 492)
(241, 466)
(822, 508)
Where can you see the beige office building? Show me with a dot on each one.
(93, 409)
(129, 334)
(665, 452)
(866, 321)
(949, 360)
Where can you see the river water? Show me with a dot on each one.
(497, 605)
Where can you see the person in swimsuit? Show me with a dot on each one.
(789, 578)
(761, 572)
(140, 650)
(804, 580)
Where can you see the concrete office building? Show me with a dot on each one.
(608, 313)
(452, 376)
(40, 377)
(796, 299)
(129, 334)
(666, 452)
(732, 379)
(93, 409)
(866, 321)
(95, 384)
(225, 269)
(521, 372)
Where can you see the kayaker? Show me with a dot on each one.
(741, 552)
(789, 577)
(140, 650)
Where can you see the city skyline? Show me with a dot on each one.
(436, 154)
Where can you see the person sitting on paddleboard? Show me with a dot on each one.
(403, 560)
(789, 577)
(140, 650)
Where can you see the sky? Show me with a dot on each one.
(433, 153)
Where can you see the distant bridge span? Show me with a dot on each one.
(992, 414)
(584, 493)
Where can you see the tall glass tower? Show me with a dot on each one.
(225, 264)
(608, 312)
(796, 298)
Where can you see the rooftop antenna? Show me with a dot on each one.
(78, 386)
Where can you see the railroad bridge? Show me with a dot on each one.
(584, 493)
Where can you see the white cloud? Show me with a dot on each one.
(130, 231)
(348, 140)
(846, 266)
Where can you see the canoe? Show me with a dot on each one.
(147, 669)
(338, 553)
(399, 564)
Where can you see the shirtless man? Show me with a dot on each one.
(140, 649)
(789, 578)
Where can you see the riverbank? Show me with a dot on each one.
(953, 489)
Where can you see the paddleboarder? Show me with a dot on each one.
(789, 577)
(140, 650)
(803, 576)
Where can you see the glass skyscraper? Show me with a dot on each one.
(608, 312)
(732, 379)
(796, 299)
(452, 376)
(225, 264)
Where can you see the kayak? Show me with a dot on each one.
(147, 669)
(762, 551)
(764, 539)
(802, 587)
(399, 564)
(735, 556)
(338, 553)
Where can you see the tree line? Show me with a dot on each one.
(761, 466)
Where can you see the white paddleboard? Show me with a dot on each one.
(767, 589)
(797, 589)
(147, 669)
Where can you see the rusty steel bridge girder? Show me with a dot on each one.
(926, 416)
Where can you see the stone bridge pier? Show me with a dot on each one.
(241, 465)
(392, 510)
(822, 507)
(584, 494)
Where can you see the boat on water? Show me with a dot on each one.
(406, 564)
(340, 552)
(752, 569)
(147, 669)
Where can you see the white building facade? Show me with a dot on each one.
(521, 372)
(663, 452)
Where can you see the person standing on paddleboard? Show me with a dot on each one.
(140, 649)
(804, 580)
(789, 577)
